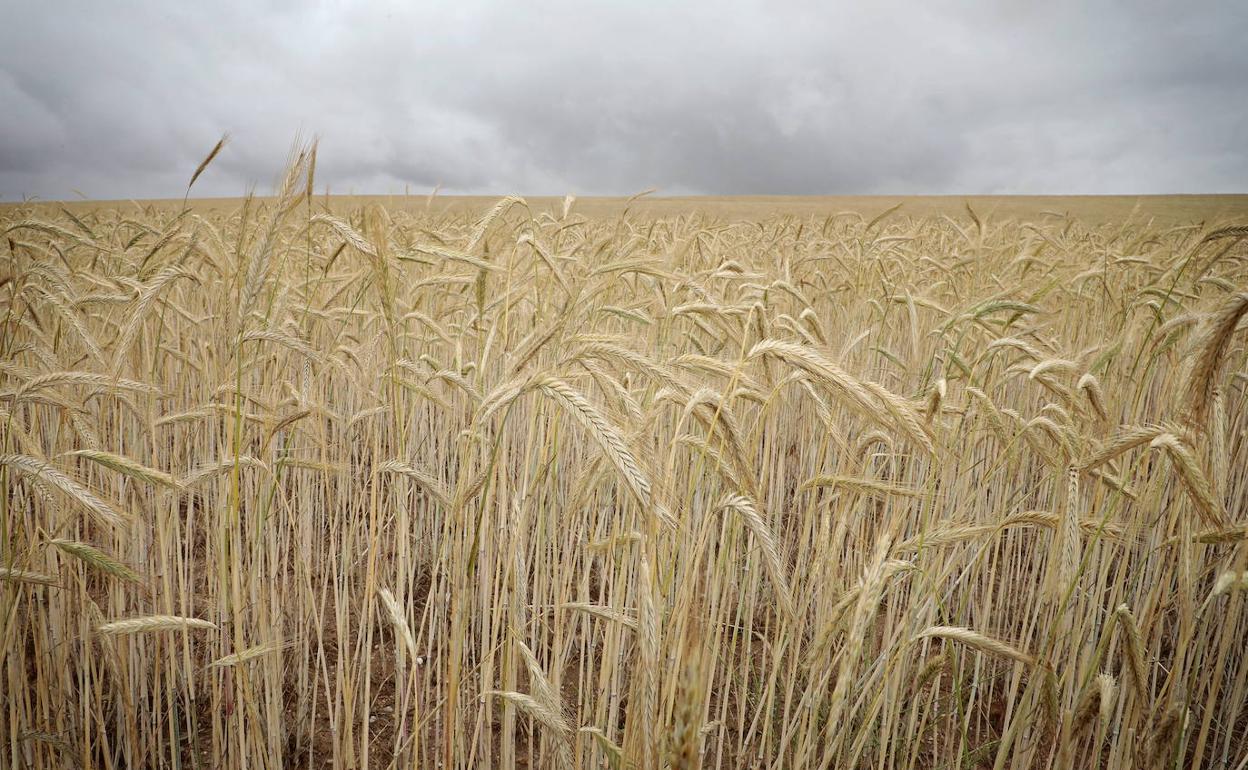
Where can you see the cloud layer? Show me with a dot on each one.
(122, 100)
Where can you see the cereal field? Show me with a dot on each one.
(291, 484)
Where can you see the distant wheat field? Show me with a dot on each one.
(1140, 210)
(753, 483)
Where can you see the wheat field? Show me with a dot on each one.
(297, 485)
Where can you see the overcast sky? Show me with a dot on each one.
(123, 99)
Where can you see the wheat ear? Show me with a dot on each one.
(977, 641)
(153, 623)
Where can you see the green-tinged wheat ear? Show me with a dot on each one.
(96, 559)
(610, 749)
(285, 422)
(1166, 734)
(52, 740)
(1133, 649)
(1096, 704)
(933, 668)
(1050, 702)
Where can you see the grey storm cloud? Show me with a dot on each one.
(123, 99)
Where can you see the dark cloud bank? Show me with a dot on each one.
(123, 99)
